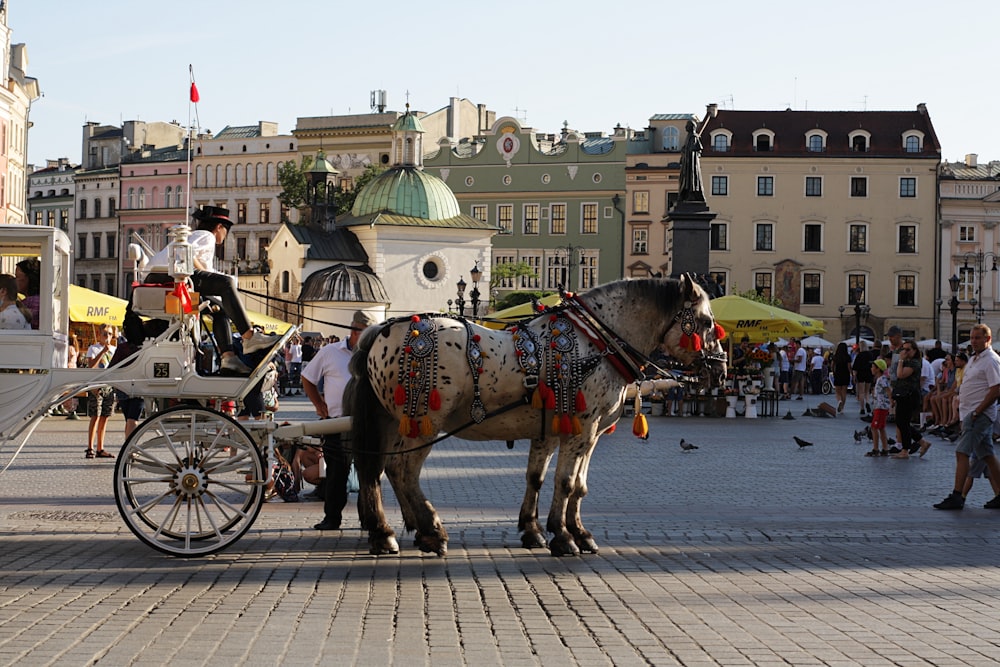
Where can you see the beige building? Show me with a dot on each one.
(17, 92)
(823, 209)
(970, 244)
(652, 170)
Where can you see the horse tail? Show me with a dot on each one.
(369, 418)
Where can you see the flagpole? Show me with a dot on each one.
(192, 101)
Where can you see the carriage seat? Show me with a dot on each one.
(157, 300)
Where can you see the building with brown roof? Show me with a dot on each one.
(823, 209)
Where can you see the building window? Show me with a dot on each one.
(262, 243)
(671, 139)
(859, 186)
(141, 200)
(854, 281)
(640, 240)
(241, 247)
(764, 236)
(480, 212)
(912, 144)
(109, 283)
(265, 212)
(83, 209)
(588, 271)
(812, 238)
(38, 218)
(640, 202)
(966, 233)
(762, 284)
(111, 207)
(967, 283)
(498, 261)
(765, 186)
(815, 143)
(718, 236)
(97, 208)
(179, 196)
(906, 290)
(531, 219)
(241, 213)
(812, 288)
(168, 194)
(858, 241)
(859, 144)
(589, 219)
(720, 186)
(96, 240)
(556, 272)
(285, 281)
(720, 143)
(721, 278)
(130, 201)
(50, 218)
(907, 239)
(111, 240)
(557, 222)
(81, 249)
(95, 282)
(533, 280)
(814, 186)
(762, 144)
(907, 186)
(505, 218)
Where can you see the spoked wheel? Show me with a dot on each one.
(189, 481)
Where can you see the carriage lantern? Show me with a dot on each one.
(181, 253)
(460, 301)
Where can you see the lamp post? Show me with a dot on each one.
(460, 301)
(475, 274)
(954, 282)
(574, 255)
(979, 259)
(860, 310)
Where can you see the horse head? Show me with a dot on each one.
(693, 337)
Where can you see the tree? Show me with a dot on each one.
(753, 295)
(345, 198)
(294, 186)
(509, 272)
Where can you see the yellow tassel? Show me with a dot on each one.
(536, 399)
(639, 426)
(426, 427)
(577, 427)
(404, 426)
(555, 424)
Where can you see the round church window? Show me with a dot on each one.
(431, 270)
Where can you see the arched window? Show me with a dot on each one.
(166, 196)
(671, 139)
(285, 279)
(219, 182)
(720, 143)
(260, 174)
(815, 143)
(142, 198)
(248, 170)
(229, 175)
(272, 175)
(199, 176)
(912, 144)
(111, 207)
(155, 200)
(97, 208)
(179, 196)
(83, 209)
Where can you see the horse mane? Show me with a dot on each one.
(666, 293)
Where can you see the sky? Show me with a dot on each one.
(593, 64)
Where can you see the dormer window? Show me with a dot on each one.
(913, 142)
(816, 142)
(763, 141)
(721, 142)
(671, 138)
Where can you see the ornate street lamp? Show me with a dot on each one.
(460, 301)
(475, 274)
(860, 310)
(954, 283)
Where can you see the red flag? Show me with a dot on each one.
(194, 93)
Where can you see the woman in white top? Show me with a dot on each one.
(11, 315)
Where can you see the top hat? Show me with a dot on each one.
(214, 213)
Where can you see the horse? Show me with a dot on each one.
(557, 379)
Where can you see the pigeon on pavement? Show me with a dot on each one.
(687, 446)
(801, 443)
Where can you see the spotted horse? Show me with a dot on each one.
(558, 379)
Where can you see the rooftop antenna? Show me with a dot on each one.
(864, 103)
(728, 103)
(378, 101)
(521, 115)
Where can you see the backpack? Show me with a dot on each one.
(285, 484)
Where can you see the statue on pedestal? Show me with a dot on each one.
(690, 178)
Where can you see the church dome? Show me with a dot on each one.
(407, 191)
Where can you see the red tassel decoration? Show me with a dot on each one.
(577, 426)
(404, 426)
(426, 426)
(565, 424)
(555, 424)
(434, 400)
(548, 396)
(414, 428)
(400, 397)
(581, 402)
(685, 341)
(696, 342)
(611, 429)
(639, 426)
(720, 333)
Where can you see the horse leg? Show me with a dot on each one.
(418, 513)
(538, 463)
(381, 537)
(582, 537)
(567, 473)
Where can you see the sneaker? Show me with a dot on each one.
(258, 341)
(895, 450)
(232, 364)
(993, 504)
(72, 415)
(954, 501)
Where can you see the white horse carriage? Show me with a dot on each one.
(190, 480)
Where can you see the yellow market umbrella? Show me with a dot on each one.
(270, 324)
(95, 308)
(761, 322)
(520, 311)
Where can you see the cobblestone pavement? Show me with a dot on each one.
(747, 551)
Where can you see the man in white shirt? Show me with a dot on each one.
(799, 362)
(213, 227)
(330, 366)
(977, 408)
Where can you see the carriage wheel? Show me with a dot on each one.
(189, 481)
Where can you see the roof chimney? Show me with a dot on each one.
(971, 160)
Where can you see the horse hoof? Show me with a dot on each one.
(586, 544)
(430, 545)
(384, 547)
(533, 541)
(563, 548)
